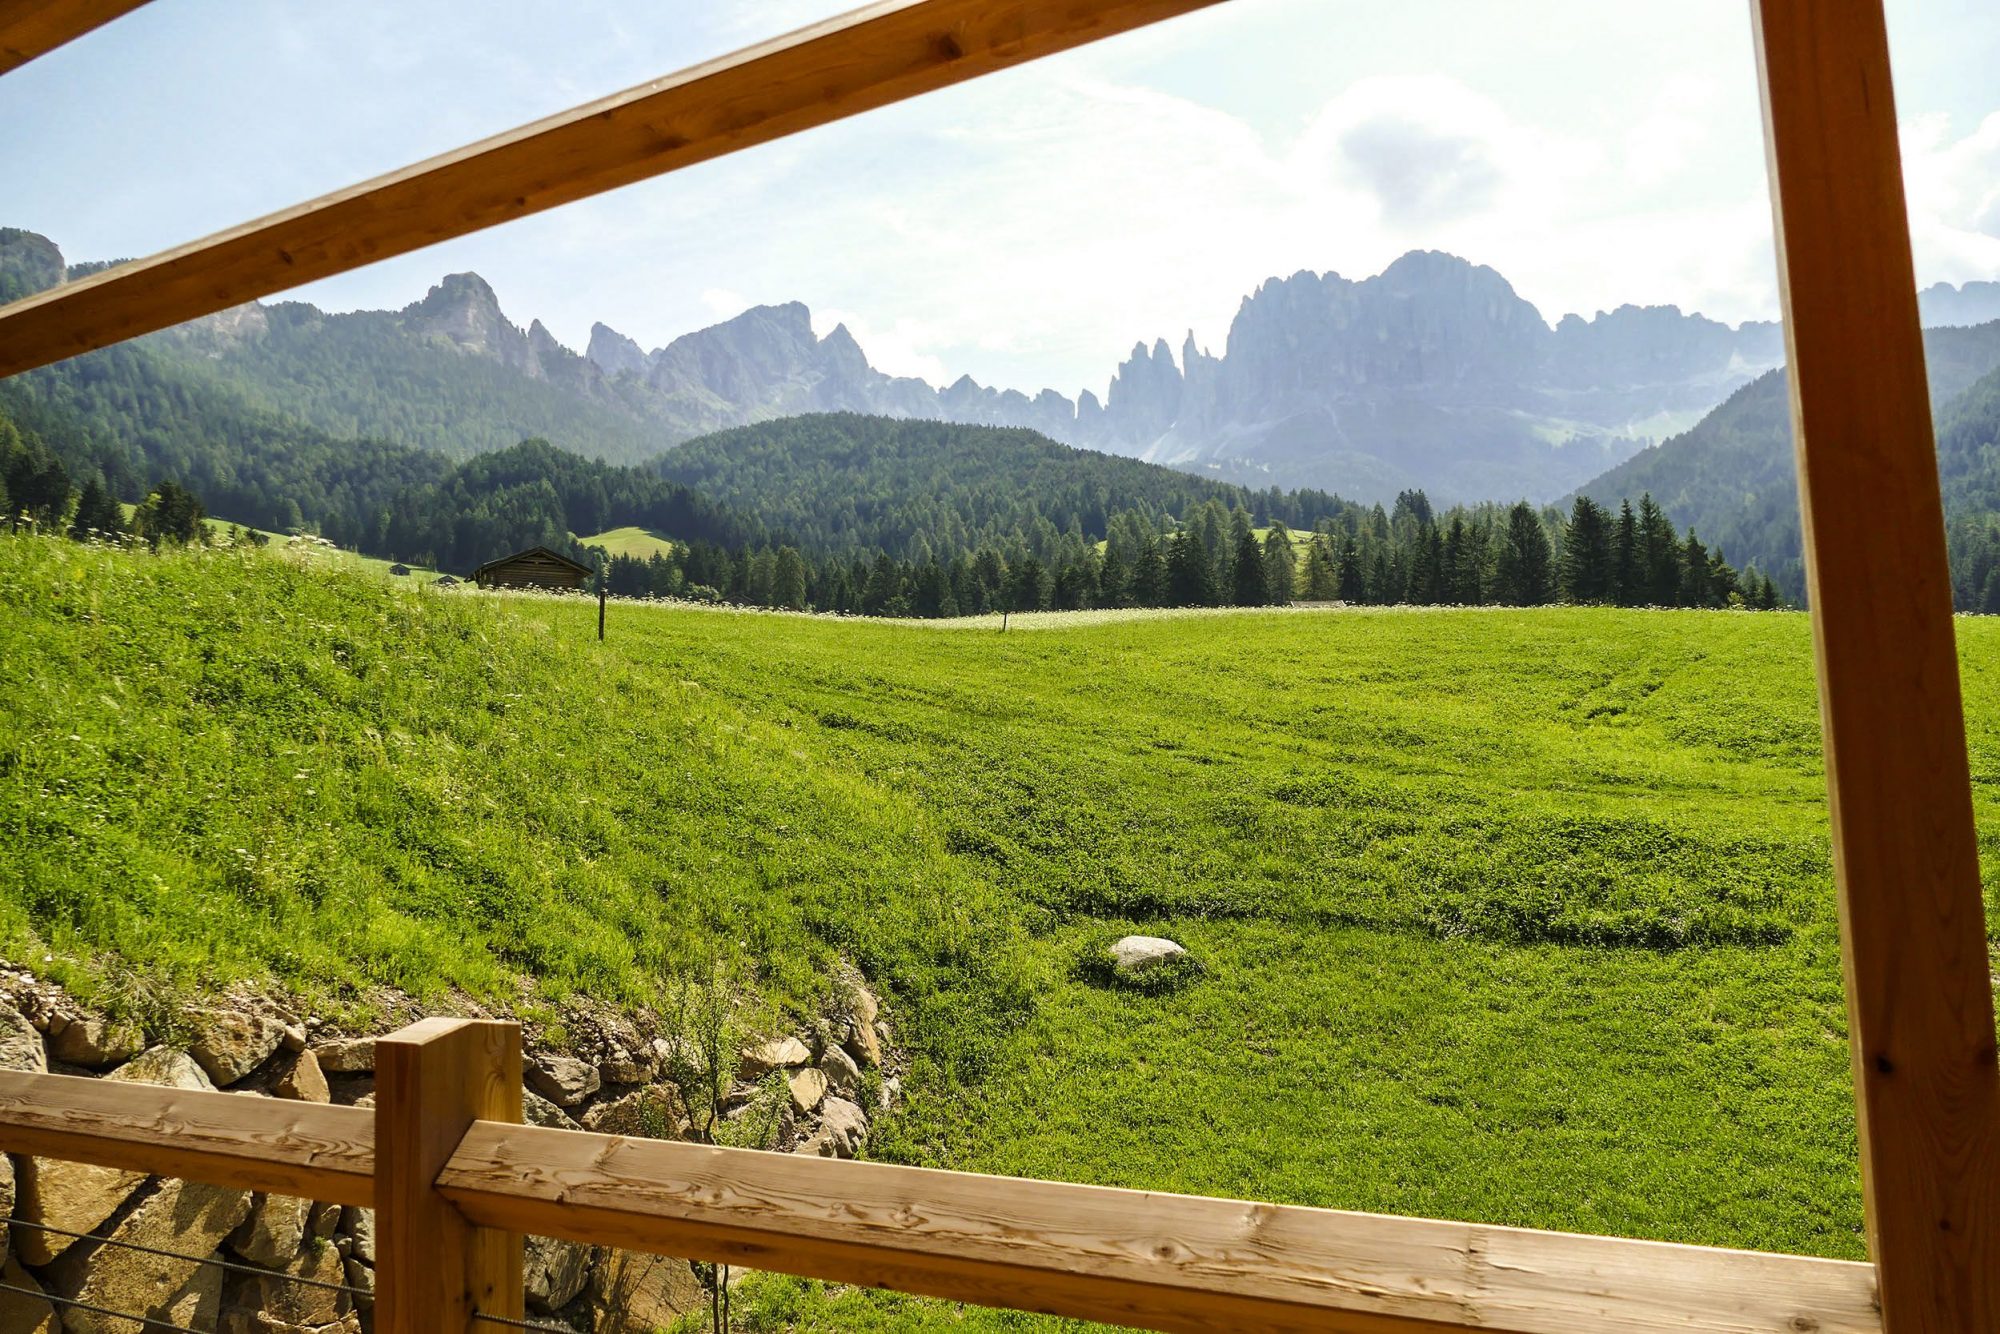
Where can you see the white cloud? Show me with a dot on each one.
(1953, 185)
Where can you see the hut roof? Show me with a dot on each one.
(503, 561)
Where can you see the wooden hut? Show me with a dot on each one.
(537, 567)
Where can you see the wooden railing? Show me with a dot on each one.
(456, 1181)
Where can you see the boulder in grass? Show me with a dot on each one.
(1135, 957)
(653, 1112)
(843, 1129)
(779, 1054)
(808, 1088)
(842, 1075)
(301, 1079)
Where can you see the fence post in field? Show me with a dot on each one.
(434, 1269)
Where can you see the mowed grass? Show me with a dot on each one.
(1523, 917)
(643, 543)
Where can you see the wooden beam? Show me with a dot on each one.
(29, 28)
(1165, 1262)
(434, 1269)
(1906, 862)
(882, 53)
(286, 1148)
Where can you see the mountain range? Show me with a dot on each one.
(1434, 373)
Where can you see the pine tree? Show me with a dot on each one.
(1280, 565)
(98, 513)
(1522, 579)
(1353, 588)
(1586, 567)
(1027, 585)
(1149, 577)
(1695, 590)
(1190, 575)
(788, 580)
(1322, 575)
(1659, 557)
(1249, 588)
(1625, 579)
(1114, 581)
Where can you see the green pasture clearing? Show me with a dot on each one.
(631, 541)
(1523, 917)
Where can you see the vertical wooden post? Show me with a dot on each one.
(1919, 996)
(600, 599)
(432, 1268)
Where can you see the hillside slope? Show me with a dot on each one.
(843, 482)
(1515, 916)
(1733, 477)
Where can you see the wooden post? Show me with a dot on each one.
(600, 599)
(433, 1269)
(1919, 996)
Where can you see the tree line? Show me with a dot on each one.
(1221, 556)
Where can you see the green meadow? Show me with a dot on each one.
(1523, 917)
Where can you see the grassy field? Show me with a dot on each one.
(1523, 917)
(631, 541)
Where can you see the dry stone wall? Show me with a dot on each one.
(809, 1092)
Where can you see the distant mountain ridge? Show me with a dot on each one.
(1433, 374)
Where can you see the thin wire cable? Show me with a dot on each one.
(148, 1321)
(513, 1323)
(258, 1270)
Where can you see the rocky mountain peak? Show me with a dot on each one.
(615, 354)
(29, 263)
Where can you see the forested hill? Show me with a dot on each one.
(536, 494)
(842, 482)
(127, 416)
(1732, 477)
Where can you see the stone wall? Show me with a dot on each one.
(810, 1092)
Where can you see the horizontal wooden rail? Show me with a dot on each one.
(1168, 1262)
(302, 1149)
(30, 28)
(876, 55)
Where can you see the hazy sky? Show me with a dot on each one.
(1027, 228)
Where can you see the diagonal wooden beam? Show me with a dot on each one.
(1905, 852)
(876, 55)
(30, 28)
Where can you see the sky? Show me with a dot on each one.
(1030, 227)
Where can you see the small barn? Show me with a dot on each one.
(537, 567)
(399, 568)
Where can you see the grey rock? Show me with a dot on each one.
(554, 1272)
(20, 1044)
(564, 1080)
(347, 1056)
(1136, 956)
(273, 1232)
(94, 1042)
(229, 1044)
(842, 1074)
(845, 1125)
(778, 1054)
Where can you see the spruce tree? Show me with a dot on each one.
(1280, 565)
(1113, 580)
(1190, 576)
(1149, 577)
(1322, 575)
(1585, 574)
(1659, 557)
(1353, 588)
(1522, 579)
(1249, 588)
(1625, 579)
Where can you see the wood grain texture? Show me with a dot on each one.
(286, 1148)
(433, 1268)
(29, 28)
(1155, 1261)
(877, 55)
(1920, 1001)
